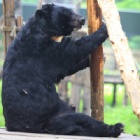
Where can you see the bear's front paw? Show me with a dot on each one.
(103, 29)
(116, 130)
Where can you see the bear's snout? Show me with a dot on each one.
(82, 21)
(77, 21)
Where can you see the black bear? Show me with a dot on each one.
(38, 58)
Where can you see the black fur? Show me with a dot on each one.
(34, 63)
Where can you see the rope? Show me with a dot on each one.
(13, 30)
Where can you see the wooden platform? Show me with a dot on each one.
(5, 135)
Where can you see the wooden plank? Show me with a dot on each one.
(96, 63)
(19, 21)
(114, 79)
(5, 135)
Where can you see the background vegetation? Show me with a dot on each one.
(120, 113)
(124, 4)
(128, 4)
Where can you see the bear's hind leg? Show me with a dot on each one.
(82, 125)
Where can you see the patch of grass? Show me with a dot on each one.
(2, 123)
(120, 113)
(128, 4)
(134, 42)
(123, 114)
(108, 91)
(1, 114)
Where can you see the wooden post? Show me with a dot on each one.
(122, 53)
(19, 22)
(9, 21)
(96, 63)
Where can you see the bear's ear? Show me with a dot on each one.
(47, 8)
(39, 14)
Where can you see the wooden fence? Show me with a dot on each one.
(75, 91)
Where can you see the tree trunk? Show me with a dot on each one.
(122, 53)
(96, 63)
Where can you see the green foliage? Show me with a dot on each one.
(30, 1)
(1, 43)
(1, 116)
(120, 113)
(128, 4)
(108, 89)
(122, 4)
(134, 42)
(123, 114)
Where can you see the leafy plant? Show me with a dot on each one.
(134, 42)
(128, 4)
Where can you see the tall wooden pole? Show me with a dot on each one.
(122, 53)
(9, 21)
(96, 63)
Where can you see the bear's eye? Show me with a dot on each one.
(67, 14)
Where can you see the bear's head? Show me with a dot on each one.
(57, 20)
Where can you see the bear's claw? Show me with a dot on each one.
(116, 130)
